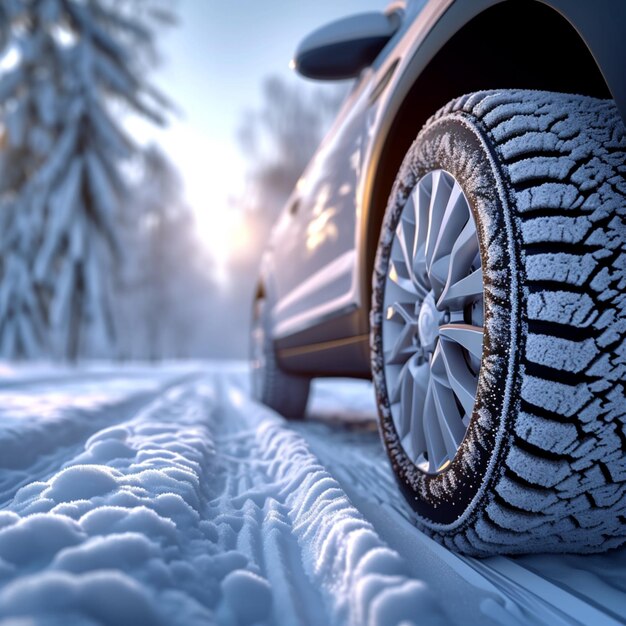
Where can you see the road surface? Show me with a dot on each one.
(133, 495)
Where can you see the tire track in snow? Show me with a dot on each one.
(356, 458)
(130, 518)
(205, 507)
(253, 519)
(50, 419)
(361, 580)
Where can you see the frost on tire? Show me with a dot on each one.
(542, 466)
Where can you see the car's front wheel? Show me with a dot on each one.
(498, 324)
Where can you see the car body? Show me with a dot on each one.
(460, 237)
(319, 261)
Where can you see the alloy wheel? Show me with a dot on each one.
(433, 321)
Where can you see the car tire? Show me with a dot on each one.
(282, 391)
(540, 459)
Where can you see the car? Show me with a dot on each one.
(460, 238)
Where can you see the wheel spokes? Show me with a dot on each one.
(454, 218)
(403, 348)
(405, 235)
(463, 292)
(400, 275)
(421, 205)
(431, 363)
(435, 446)
(450, 423)
(440, 194)
(460, 258)
(403, 339)
(459, 377)
(414, 391)
(466, 335)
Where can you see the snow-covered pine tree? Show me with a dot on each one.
(68, 65)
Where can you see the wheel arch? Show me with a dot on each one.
(556, 58)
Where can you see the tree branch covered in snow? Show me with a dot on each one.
(68, 66)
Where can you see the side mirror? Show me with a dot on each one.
(343, 48)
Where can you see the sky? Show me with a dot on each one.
(213, 65)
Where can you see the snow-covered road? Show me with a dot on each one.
(166, 496)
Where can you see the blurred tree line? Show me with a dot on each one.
(163, 288)
(98, 256)
(277, 140)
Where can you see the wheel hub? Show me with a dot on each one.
(428, 323)
(433, 330)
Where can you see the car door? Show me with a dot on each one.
(314, 241)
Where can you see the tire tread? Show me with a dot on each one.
(562, 485)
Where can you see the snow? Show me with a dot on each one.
(560, 267)
(570, 356)
(554, 306)
(167, 496)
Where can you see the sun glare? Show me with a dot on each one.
(213, 178)
(213, 174)
(225, 235)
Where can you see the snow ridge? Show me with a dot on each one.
(363, 580)
(121, 521)
(203, 507)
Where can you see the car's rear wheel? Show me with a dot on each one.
(282, 391)
(498, 324)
